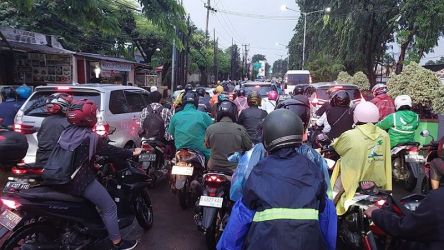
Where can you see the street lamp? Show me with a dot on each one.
(326, 10)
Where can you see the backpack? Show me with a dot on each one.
(153, 125)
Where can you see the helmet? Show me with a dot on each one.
(300, 107)
(23, 92)
(254, 99)
(201, 91)
(379, 89)
(282, 128)
(8, 93)
(226, 108)
(273, 95)
(82, 113)
(222, 97)
(298, 90)
(340, 99)
(403, 100)
(153, 88)
(190, 97)
(58, 103)
(219, 89)
(366, 112)
(188, 87)
(179, 87)
(241, 92)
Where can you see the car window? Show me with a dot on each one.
(322, 93)
(135, 100)
(36, 104)
(118, 103)
(146, 99)
(262, 90)
(294, 79)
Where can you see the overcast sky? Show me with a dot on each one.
(261, 32)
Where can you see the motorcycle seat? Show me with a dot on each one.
(47, 193)
(28, 166)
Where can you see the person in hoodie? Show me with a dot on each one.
(251, 117)
(384, 102)
(364, 156)
(402, 124)
(241, 100)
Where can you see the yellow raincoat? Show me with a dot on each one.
(365, 156)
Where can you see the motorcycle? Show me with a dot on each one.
(43, 218)
(186, 176)
(431, 152)
(154, 160)
(214, 206)
(407, 166)
(356, 231)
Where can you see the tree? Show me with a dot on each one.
(324, 68)
(257, 58)
(279, 68)
(360, 79)
(438, 101)
(344, 77)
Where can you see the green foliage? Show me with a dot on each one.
(344, 77)
(431, 62)
(360, 79)
(417, 82)
(324, 68)
(438, 101)
(279, 68)
(257, 58)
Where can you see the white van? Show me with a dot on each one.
(295, 77)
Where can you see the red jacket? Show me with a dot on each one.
(385, 104)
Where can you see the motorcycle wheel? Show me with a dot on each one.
(410, 181)
(144, 209)
(32, 233)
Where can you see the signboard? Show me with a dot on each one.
(261, 70)
(23, 36)
(115, 66)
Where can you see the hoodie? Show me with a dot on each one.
(365, 156)
(401, 126)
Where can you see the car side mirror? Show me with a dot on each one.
(425, 133)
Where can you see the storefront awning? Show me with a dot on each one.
(104, 58)
(27, 47)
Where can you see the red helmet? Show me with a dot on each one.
(82, 113)
(272, 95)
(58, 102)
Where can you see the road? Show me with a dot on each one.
(173, 227)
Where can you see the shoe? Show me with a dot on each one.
(126, 245)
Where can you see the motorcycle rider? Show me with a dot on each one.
(188, 126)
(298, 93)
(81, 144)
(402, 124)
(155, 106)
(339, 117)
(226, 137)
(382, 100)
(52, 126)
(9, 106)
(283, 194)
(178, 105)
(217, 91)
(437, 166)
(204, 100)
(23, 92)
(241, 100)
(251, 117)
(364, 156)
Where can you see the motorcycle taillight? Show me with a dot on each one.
(147, 147)
(214, 179)
(413, 150)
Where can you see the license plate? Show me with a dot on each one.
(9, 219)
(182, 170)
(207, 201)
(16, 186)
(147, 157)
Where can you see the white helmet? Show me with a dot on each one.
(403, 100)
(379, 89)
(366, 112)
(153, 88)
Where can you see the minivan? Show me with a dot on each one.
(296, 77)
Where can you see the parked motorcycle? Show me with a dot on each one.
(214, 206)
(154, 160)
(43, 218)
(407, 166)
(186, 176)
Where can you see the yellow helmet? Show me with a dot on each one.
(219, 89)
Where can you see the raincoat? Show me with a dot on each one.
(401, 126)
(385, 104)
(188, 129)
(365, 156)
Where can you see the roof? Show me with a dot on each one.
(27, 47)
(298, 72)
(434, 68)
(89, 86)
(105, 58)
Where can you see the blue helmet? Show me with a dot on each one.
(23, 92)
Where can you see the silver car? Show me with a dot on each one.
(119, 107)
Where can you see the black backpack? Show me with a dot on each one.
(153, 125)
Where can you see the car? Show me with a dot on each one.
(119, 107)
(208, 90)
(296, 77)
(263, 88)
(318, 93)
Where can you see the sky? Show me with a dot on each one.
(262, 33)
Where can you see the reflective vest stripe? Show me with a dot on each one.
(403, 131)
(286, 214)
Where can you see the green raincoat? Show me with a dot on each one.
(401, 126)
(365, 156)
(188, 129)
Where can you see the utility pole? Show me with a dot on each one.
(215, 57)
(209, 8)
(245, 59)
(173, 63)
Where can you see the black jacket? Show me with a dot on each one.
(250, 118)
(425, 225)
(47, 136)
(340, 120)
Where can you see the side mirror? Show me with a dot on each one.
(425, 133)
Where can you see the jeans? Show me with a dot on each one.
(100, 197)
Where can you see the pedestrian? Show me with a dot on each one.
(9, 107)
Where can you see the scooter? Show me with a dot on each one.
(431, 152)
(154, 160)
(407, 166)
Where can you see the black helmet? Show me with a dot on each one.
(282, 128)
(201, 91)
(188, 87)
(340, 99)
(298, 90)
(226, 108)
(241, 92)
(7, 93)
(190, 97)
(179, 87)
(299, 106)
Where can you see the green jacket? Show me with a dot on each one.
(401, 126)
(188, 129)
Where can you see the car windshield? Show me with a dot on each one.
(36, 105)
(262, 90)
(322, 93)
(294, 79)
